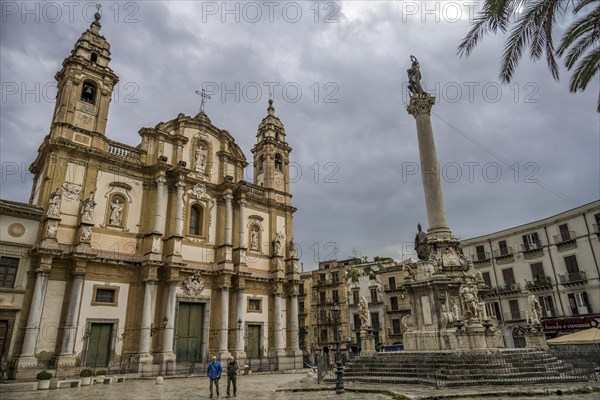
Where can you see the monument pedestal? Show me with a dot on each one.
(367, 341)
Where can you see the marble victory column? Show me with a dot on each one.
(446, 313)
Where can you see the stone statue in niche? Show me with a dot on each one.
(200, 158)
(292, 251)
(52, 230)
(88, 208)
(54, 204)
(254, 238)
(86, 234)
(116, 211)
(277, 243)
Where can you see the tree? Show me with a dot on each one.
(580, 44)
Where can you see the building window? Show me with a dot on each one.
(94, 57)
(8, 271)
(480, 250)
(196, 218)
(323, 316)
(322, 298)
(88, 92)
(547, 304)
(396, 326)
(394, 303)
(373, 295)
(515, 312)
(537, 271)
(392, 282)
(486, 279)
(356, 319)
(322, 278)
(509, 276)
(531, 241)
(278, 162)
(571, 264)
(301, 306)
(105, 296)
(301, 288)
(336, 297)
(355, 297)
(597, 224)
(335, 277)
(254, 305)
(493, 310)
(323, 335)
(116, 212)
(375, 320)
(579, 303)
(503, 248)
(565, 235)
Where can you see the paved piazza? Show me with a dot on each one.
(278, 386)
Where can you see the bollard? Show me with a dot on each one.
(159, 380)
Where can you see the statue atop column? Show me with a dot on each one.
(414, 78)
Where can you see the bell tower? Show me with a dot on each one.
(85, 85)
(272, 154)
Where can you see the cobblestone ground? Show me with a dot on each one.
(272, 386)
(252, 387)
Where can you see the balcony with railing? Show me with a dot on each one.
(566, 240)
(480, 257)
(504, 254)
(508, 288)
(391, 333)
(534, 249)
(123, 151)
(375, 301)
(391, 288)
(405, 306)
(539, 283)
(516, 315)
(596, 229)
(573, 278)
(327, 282)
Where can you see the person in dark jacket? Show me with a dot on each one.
(232, 369)
(214, 372)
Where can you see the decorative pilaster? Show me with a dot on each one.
(67, 352)
(228, 219)
(179, 209)
(239, 334)
(159, 220)
(144, 355)
(224, 332)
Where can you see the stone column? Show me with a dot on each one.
(242, 204)
(224, 319)
(159, 220)
(239, 334)
(35, 314)
(68, 340)
(167, 346)
(147, 317)
(179, 209)
(277, 331)
(293, 323)
(228, 219)
(420, 108)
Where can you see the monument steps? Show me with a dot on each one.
(504, 367)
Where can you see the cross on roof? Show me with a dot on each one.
(203, 101)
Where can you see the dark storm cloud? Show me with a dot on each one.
(355, 148)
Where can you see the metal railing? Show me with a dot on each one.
(572, 277)
(507, 252)
(539, 282)
(569, 236)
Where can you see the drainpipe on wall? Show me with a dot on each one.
(562, 308)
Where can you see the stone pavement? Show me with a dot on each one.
(294, 386)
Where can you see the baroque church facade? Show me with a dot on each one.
(154, 256)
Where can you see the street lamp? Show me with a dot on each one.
(339, 385)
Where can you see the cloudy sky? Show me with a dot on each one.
(337, 69)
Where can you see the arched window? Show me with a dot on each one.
(94, 57)
(278, 162)
(196, 217)
(88, 92)
(117, 210)
(261, 164)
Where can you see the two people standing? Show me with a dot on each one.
(215, 370)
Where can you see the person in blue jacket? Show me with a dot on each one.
(214, 372)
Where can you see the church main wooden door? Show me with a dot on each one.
(189, 332)
(98, 349)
